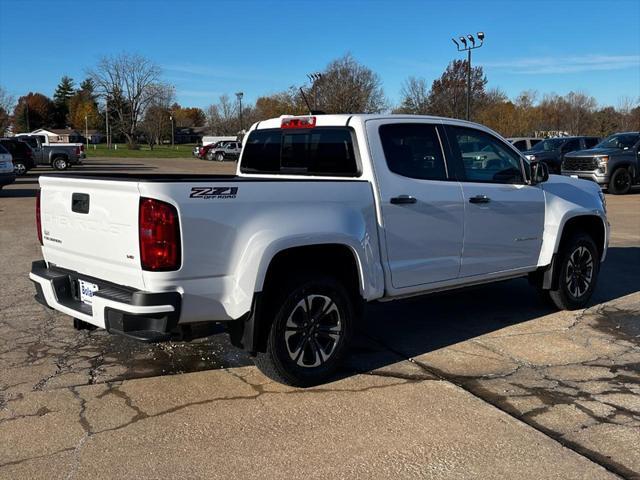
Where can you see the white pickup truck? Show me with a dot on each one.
(324, 214)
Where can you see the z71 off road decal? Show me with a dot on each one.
(213, 192)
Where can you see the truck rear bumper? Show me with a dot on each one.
(149, 317)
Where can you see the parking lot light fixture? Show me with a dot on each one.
(467, 47)
(313, 78)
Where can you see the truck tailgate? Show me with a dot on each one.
(91, 227)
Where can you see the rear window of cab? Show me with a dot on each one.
(326, 151)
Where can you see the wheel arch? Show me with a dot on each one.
(594, 225)
(250, 332)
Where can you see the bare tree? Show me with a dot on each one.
(6, 104)
(129, 80)
(347, 86)
(626, 105)
(415, 97)
(222, 117)
(156, 125)
(580, 112)
(448, 95)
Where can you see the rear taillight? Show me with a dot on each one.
(159, 231)
(38, 220)
(78, 150)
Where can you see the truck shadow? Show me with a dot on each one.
(394, 331)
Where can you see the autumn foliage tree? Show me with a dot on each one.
(33, 111)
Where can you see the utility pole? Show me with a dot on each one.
(26, 112)
(86, 131)
(240, 95)
(106, 115)
(468, 47)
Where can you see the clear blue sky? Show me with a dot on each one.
(207, 48)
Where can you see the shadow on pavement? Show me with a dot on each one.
(18, 192)
(417, 326)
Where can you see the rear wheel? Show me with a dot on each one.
(209, 155)
(620, 182)
(312, 326)
(578, 268)
(60, 163)
(220, 157)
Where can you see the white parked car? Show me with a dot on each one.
(7, 175)
(324, 214)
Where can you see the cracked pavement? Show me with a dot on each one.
(489, 382)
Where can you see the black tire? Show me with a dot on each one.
(220, 157)
(620, 182)
(20, 169)
(60, 163)
(209, 155)
(577, 272)
(303, 351)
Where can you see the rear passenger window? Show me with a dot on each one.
(484, 158)
(315, 151)
(590, 142)
(413, 150)
(521, 145)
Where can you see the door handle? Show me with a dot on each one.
(479, 199)
(403, 199)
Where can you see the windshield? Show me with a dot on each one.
(621, 141)
(548, 145)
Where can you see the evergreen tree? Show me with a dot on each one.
(64, 91)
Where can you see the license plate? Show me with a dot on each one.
(87, 290)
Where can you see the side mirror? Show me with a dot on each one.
(539, 172)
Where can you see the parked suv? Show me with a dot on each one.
(22, 155)
(614, 163)
(524, 143)
(552, 150)
(228, 151)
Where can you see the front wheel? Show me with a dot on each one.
(220, 157)
(620, 182)
(60, 163)
(313, 323)
(19, 169)
(578, 267)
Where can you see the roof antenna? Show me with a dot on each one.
(306, 101)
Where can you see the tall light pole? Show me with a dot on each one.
(468, 47)
(172, 130)
(86, 131)
(240, 95)
(313, 78)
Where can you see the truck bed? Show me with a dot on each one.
(191, 177)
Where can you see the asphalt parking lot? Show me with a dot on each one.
(481, 383)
